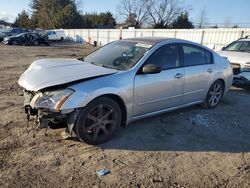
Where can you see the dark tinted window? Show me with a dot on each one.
(193, 55)
(166, 57)
(209, 57)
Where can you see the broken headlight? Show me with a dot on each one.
(246, 68)
(52, 99)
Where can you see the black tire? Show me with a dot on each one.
(214, 95)
(98, 121)
(36, 43)
(24, 44)
(14, 43)
(62, 39)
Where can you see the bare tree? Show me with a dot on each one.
(163, 12)
(134, 11)
(202, 18)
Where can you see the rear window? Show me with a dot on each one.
(193, 55)
(209, 57)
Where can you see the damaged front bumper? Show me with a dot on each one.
(242, 79)
(46, 117)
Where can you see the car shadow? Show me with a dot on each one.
(192, 129)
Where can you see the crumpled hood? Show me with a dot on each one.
(236, 57)
(51, 72)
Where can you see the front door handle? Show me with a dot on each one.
(178, 76)
(210, 70)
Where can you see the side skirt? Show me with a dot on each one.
(135, 118)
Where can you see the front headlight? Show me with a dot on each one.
(246, 68)
(53, 99)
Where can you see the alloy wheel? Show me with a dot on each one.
(215, 94)
(100, 122)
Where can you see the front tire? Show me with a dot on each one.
(98, 121)
(214, 95)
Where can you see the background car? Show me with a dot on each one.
(56, 35)
(27, 39)
(238, 53)
(122, 82)
(12, 32)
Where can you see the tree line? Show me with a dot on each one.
(47, 14)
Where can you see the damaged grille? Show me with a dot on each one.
(236, 68)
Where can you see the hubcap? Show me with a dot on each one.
(215, 94)
(100, 122)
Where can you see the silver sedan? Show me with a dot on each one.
(121, 82)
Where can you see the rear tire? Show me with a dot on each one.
(214, 95)
(36, 43)
(98, 121)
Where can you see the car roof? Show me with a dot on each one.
(157, 40)
(150, 40)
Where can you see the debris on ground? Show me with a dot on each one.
(201, 120)
(103, 172)
(157, 179)
(65, 135)
(71, 178)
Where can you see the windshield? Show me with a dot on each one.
(6, 30)
(238, 46)
(120, 55)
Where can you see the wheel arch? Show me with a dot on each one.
(121, 104)
(223, 82)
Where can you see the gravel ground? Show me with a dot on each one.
(193, 147)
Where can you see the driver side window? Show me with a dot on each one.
(166, 57)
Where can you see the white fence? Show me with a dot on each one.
(213, 38)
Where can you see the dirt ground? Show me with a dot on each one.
(193, 147)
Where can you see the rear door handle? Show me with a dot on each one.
(210, 70)
(178, 76)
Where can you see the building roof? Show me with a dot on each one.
(2, 22)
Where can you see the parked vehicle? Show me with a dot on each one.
(121, 82)
(238, 53)
(56, 35)
(11, 32)
(27, 39)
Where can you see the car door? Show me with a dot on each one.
(155, 92)
(199, 68)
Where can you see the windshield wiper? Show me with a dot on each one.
(108, 66)
(101, 65)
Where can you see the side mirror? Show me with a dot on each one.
(223, 48)
(151, 69)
